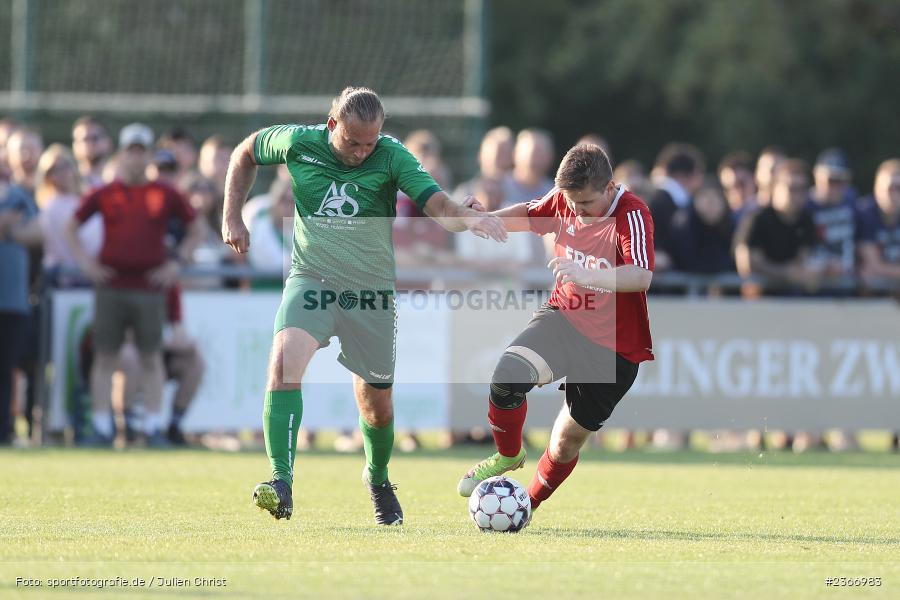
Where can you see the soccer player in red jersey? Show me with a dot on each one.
(594, 331)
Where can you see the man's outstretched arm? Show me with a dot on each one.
(515, 217)
(455, 217)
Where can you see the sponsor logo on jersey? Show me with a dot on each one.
(570, 229)
(587, 261)
(311, 159)
(338, 202)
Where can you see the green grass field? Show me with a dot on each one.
(633, 525)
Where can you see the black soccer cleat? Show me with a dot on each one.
(275, 497)
(387, 507)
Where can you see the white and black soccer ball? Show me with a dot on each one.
(500, 504)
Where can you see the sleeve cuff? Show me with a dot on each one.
(422, 198)
(256, 158)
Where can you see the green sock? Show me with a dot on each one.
(282, 412)
(379, 443)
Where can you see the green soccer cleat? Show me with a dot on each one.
(275, 497)
(489, 467)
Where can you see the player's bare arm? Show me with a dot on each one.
(624, 278)
(238, 181)
(515, 217)
(455, 217)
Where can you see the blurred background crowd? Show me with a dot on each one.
(785, 226)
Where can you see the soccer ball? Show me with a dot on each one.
(500, 504)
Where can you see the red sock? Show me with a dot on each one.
(547, 478)
(506, 427)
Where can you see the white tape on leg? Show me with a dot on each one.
(545, 374)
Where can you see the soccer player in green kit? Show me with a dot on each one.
(345, 175)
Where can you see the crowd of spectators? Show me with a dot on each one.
(766, 226)
(769, 225)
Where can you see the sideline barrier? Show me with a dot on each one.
(733, 364)
(791, 364)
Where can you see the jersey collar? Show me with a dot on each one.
(615, 202)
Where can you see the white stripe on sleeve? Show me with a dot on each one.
(631, 232)
(635, 254)
(639, 218)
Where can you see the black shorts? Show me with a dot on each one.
(596, 377)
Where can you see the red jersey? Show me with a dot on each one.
(618, 321)
(135, 220)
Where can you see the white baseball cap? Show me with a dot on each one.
(136, 134)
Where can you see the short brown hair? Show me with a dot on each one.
(358, 102)
(87, 121)
(680, 159)
(584, 165)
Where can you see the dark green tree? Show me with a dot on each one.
(726, 75)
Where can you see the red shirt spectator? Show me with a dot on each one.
(135, 219)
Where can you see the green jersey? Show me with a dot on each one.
(342, 225)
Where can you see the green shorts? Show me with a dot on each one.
(364, 321)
